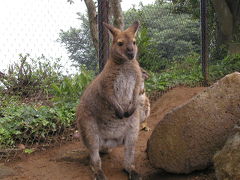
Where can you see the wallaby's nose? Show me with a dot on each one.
(129, 49)
(130, 52)
(130, 55)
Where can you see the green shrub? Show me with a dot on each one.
(147, 57)
(189, 72)
(71, 87)
(21, 123)
(186, 72)
(29, 123)
(29, 76)
(229, 64)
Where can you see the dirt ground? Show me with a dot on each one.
(70, 160)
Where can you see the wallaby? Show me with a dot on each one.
(107, 115)
(144, 103)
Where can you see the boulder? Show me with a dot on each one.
(187, 138)
(227, 161)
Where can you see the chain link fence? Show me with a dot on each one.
(49, 31)
(31, 53)
(32, 27)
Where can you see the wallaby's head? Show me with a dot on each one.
(124, 46)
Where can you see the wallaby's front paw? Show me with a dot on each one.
(130, 111)
(127, 114)
(100, 176)
(119, 114)
(133, 175)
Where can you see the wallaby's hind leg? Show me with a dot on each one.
(129, 152)
(129, 162)
(96, 165)
(90, 138)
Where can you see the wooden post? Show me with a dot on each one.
(204, 42)
(103, 35)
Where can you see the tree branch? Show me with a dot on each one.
(117, 13)
(1, 74)
(91, 9)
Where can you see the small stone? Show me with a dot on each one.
(21, 147)
(76, 134)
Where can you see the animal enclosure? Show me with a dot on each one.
(39, 89)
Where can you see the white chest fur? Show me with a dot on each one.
(123, 87)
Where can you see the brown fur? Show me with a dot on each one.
(144, 108)
(107, 115)
(144, 103)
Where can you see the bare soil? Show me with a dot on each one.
(70, 160)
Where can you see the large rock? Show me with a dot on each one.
(187, 137)
(227, 161)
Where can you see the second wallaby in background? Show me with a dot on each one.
(144, 103)
(107, 115)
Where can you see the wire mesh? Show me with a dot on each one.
(33, 29)
(35, 33)
(30, 30)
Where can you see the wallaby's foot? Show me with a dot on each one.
(144, 127)
(105, 151)
(100, 175)
(133, 175)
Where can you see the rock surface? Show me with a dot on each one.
(188, 136)
(227, 161)
(5, 171)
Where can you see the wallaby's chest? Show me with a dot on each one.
(124, 85)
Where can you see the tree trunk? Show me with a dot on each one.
(103, 16)
(234, 6)
(116, 11)
(92, 16)
(225, 19)
(204, 41)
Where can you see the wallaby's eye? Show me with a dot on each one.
(120, 43)
(134, 42)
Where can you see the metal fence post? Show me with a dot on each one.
(204, 41)
(103, 7)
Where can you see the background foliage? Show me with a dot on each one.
(37, 101)
(164, 36)
(79, 45)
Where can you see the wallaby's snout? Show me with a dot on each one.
(131, 51)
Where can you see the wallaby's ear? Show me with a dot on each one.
(134, 28)
(114, 31)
